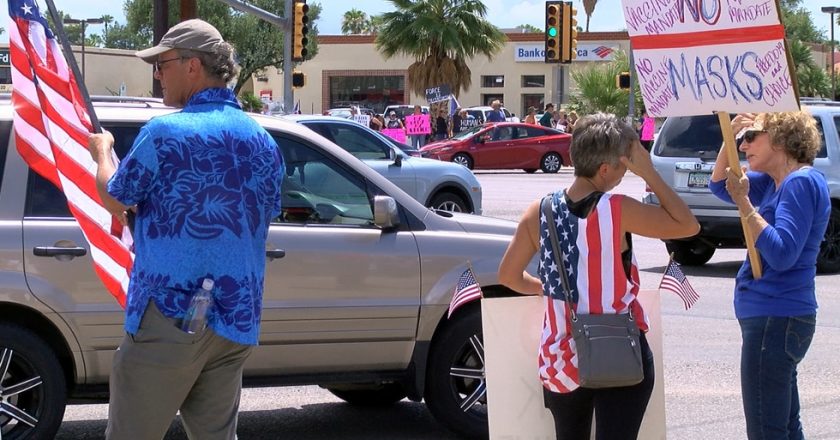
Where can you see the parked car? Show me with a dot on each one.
(684, 153)
(480, 113)
(357, 304)
(436, 185)
(505, 145)
(346, 112)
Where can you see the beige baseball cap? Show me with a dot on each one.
(192, 34)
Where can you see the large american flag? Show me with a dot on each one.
(51, 128)
(466, 290)
(675, 281)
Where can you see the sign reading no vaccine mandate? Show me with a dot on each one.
(696, 57)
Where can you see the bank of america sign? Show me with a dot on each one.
(535, 52)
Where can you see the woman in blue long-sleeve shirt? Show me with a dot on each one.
(786, 204)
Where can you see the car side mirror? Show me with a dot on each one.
(397, 157)
(385, 212)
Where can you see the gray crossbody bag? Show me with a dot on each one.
(608, 350)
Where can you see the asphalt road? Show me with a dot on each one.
(701, 356)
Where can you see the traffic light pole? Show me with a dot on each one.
(631, 106)
(284, 23)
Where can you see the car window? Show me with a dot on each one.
(690, 136)
(318, 190)
(507, 113)
(352, 138)
(45, 200)
(503, 134)
(530, 132)
(477, 114)
(5, 132)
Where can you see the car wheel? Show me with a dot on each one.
(378, 395)
(828, 260)
(690, 253)
(551, 163)
(446, 201)
(33, 391)
(530, 170)
(463, 160)
(456, 391)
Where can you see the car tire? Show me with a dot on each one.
(447, 201)
(456, 391)
(828, 260)
(690, 253)
(551, 163)
(375, 396)
(530, 170)
(463, 159)
(32, 386)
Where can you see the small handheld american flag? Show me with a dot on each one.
(466, 290)
(675, 281)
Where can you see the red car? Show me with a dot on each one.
(505, 145)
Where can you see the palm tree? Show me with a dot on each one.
(589, 8)
(597, 91)
(107, 20)
(440, 35)
(375, 24)
(354, 22)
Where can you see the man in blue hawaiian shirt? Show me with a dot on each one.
(497, 114)
(205, 184)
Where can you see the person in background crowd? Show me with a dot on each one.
(603, 149)
(562, 122)
(393, 121)
(418, 140)
(181, 166)
(376, 122)
(786, 204)
(546, 119)
(531, 117)
(456, 121)
(573, 118)
(441, 127)
(497, 114)
(647, 129)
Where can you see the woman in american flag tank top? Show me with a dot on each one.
(594, 229)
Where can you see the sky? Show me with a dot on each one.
(502, 13)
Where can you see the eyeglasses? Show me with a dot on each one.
(159, 63)
(750, 135)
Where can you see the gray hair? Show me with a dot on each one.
(598, 139)
(219, 64)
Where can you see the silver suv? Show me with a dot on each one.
(358, 281)
(684, 155)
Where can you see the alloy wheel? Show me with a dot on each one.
(467, 377)
(21, 393)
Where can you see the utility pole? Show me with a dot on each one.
(631, 106)
(187, 10)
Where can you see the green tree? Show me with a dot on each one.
(589, 8)
(440, 35)
(355, 22)
(258, 44)
(597, 91)
(529, 28)
(375, 23)
(798, 22)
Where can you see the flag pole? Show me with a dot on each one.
(74, 67)
(480, 291)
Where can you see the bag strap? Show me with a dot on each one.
(559, 256)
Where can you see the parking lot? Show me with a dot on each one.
(701, 356)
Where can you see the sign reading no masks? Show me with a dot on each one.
(699, 56)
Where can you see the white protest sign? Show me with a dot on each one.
(700, 56)
(362, 119)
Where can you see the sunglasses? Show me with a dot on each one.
(159, 63)
(750, 135)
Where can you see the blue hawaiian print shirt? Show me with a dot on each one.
(206, 182)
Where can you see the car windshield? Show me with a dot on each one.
(469, 133)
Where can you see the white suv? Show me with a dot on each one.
(684, 155)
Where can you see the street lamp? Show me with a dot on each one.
(83, 22)
(832, 10)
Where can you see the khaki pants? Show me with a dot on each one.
(162, 369)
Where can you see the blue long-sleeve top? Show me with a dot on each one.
(797, 214)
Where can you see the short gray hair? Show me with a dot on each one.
(598, 139)
(219, 64)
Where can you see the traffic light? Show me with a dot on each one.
(622, 81)
(568, 33)
(300, 28)
(298, 80)
(552, 31)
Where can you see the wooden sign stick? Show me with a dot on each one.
(735, 165)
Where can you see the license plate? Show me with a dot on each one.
(698, 180)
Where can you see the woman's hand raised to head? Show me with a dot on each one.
(638, 161)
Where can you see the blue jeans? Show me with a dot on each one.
(771, 349)
(418, 141)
